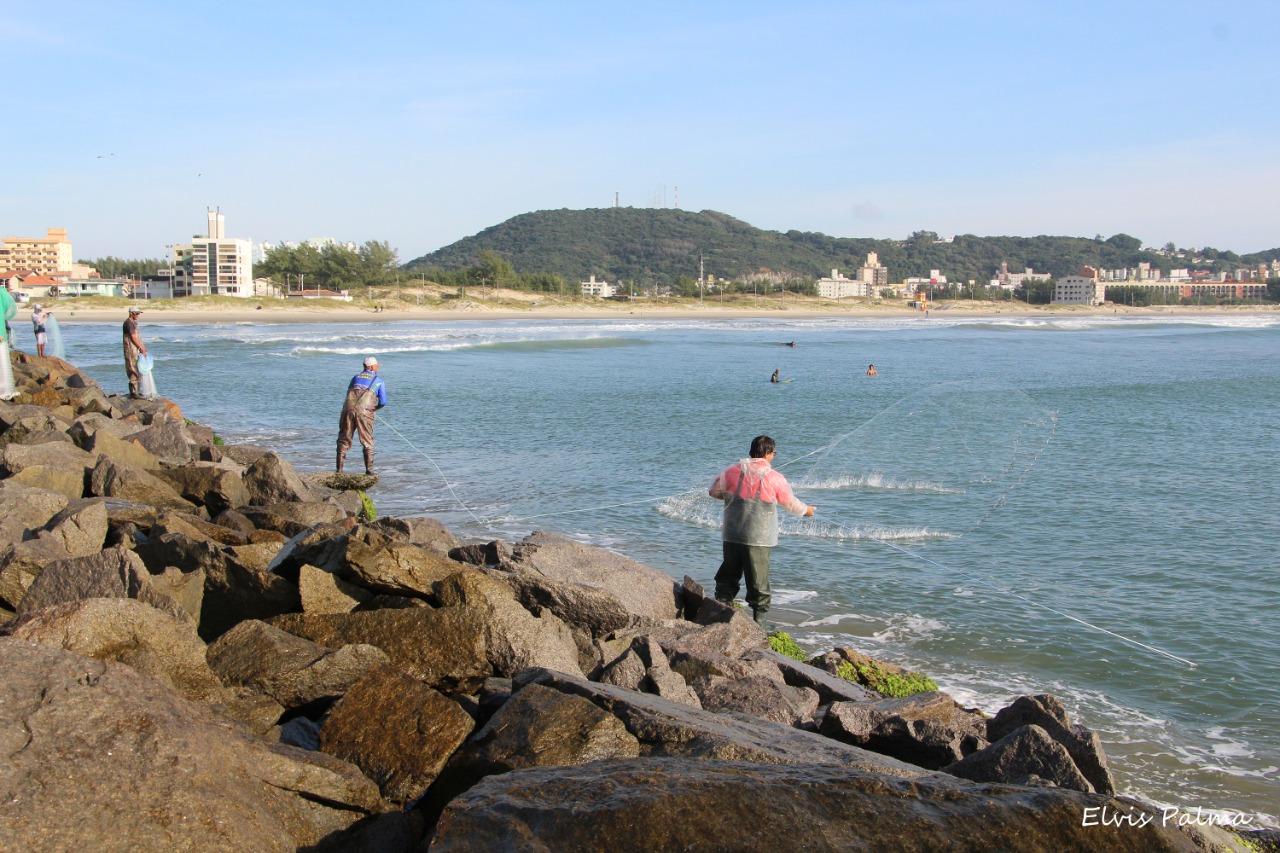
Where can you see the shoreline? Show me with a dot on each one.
(476, 312)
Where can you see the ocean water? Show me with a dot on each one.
(1080, 506)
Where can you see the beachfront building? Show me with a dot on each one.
(873, 273)
(42, 255)
(598, 289)
(1077, 290)
(1241, 290)
(214, 265)
(1012, 280)
(837, 286)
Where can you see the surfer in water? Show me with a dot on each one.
(776, 377)
(791, 344)
(871, 370)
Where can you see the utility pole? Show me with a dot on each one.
(700, 278)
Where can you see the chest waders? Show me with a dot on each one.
(357, 418)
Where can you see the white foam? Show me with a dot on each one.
(877, 482)
(784, 597)
(834, 619)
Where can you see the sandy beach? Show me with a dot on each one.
(509, 305)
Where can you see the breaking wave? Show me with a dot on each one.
(877, 482)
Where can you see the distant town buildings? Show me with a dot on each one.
(936, 278)
(45, 255)
(837, 286)
(874, 273)
(214, 265)
(599, 289)
(1078, 290)
(1012, 281)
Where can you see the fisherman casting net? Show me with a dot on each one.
(932, 467)
(53, 332)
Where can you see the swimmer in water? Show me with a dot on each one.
(871, 370)
(791, 344)
(775, 378)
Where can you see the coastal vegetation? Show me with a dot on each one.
(662, 246)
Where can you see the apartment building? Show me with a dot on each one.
(837, 286)
(42, 255)
(600, 289)
(874, 273)
(1077, 290)
(215, 264)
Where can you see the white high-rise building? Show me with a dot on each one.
(836, 286)
(214, 265)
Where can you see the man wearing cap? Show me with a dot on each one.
(133, 347)
(365, 395)
(38, 318)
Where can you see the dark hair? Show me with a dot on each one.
(761, 446)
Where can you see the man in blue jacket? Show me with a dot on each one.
(365, 395)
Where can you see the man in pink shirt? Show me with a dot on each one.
(752, 492)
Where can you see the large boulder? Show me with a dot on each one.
(424, 532)
(111, 573)
(167, 441)
(928, 729)
(368, 557)
(293, 517)
(53, 454)
(324, 592)
(24, 509)
(537, 727)
(1025, 756)
(678, 804)
(271, 480)
(112, 479)
(1047, 712)
(105, 442)
(734, 638)
(79, 530)
(216, 489)
(669, 728)
(830, 688)
(642, 590)
(233, 591)
(194, 528)
(514, 638)
(85, 426)
(64, 481)
(758, 696)
(289, 669)
(97, 755)
(397, 730)
(132, 633)
(443, 648)
(593, 609)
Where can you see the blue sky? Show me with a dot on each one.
(421, 123)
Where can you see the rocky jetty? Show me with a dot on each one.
(203, 649)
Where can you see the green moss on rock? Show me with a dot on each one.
(892, 684)
(784, 644)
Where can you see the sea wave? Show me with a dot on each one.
(695, 510)
(876, 482)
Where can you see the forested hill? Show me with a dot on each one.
(661, 245)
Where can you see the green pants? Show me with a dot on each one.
(749, 560)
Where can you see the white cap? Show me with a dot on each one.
(371, 361)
